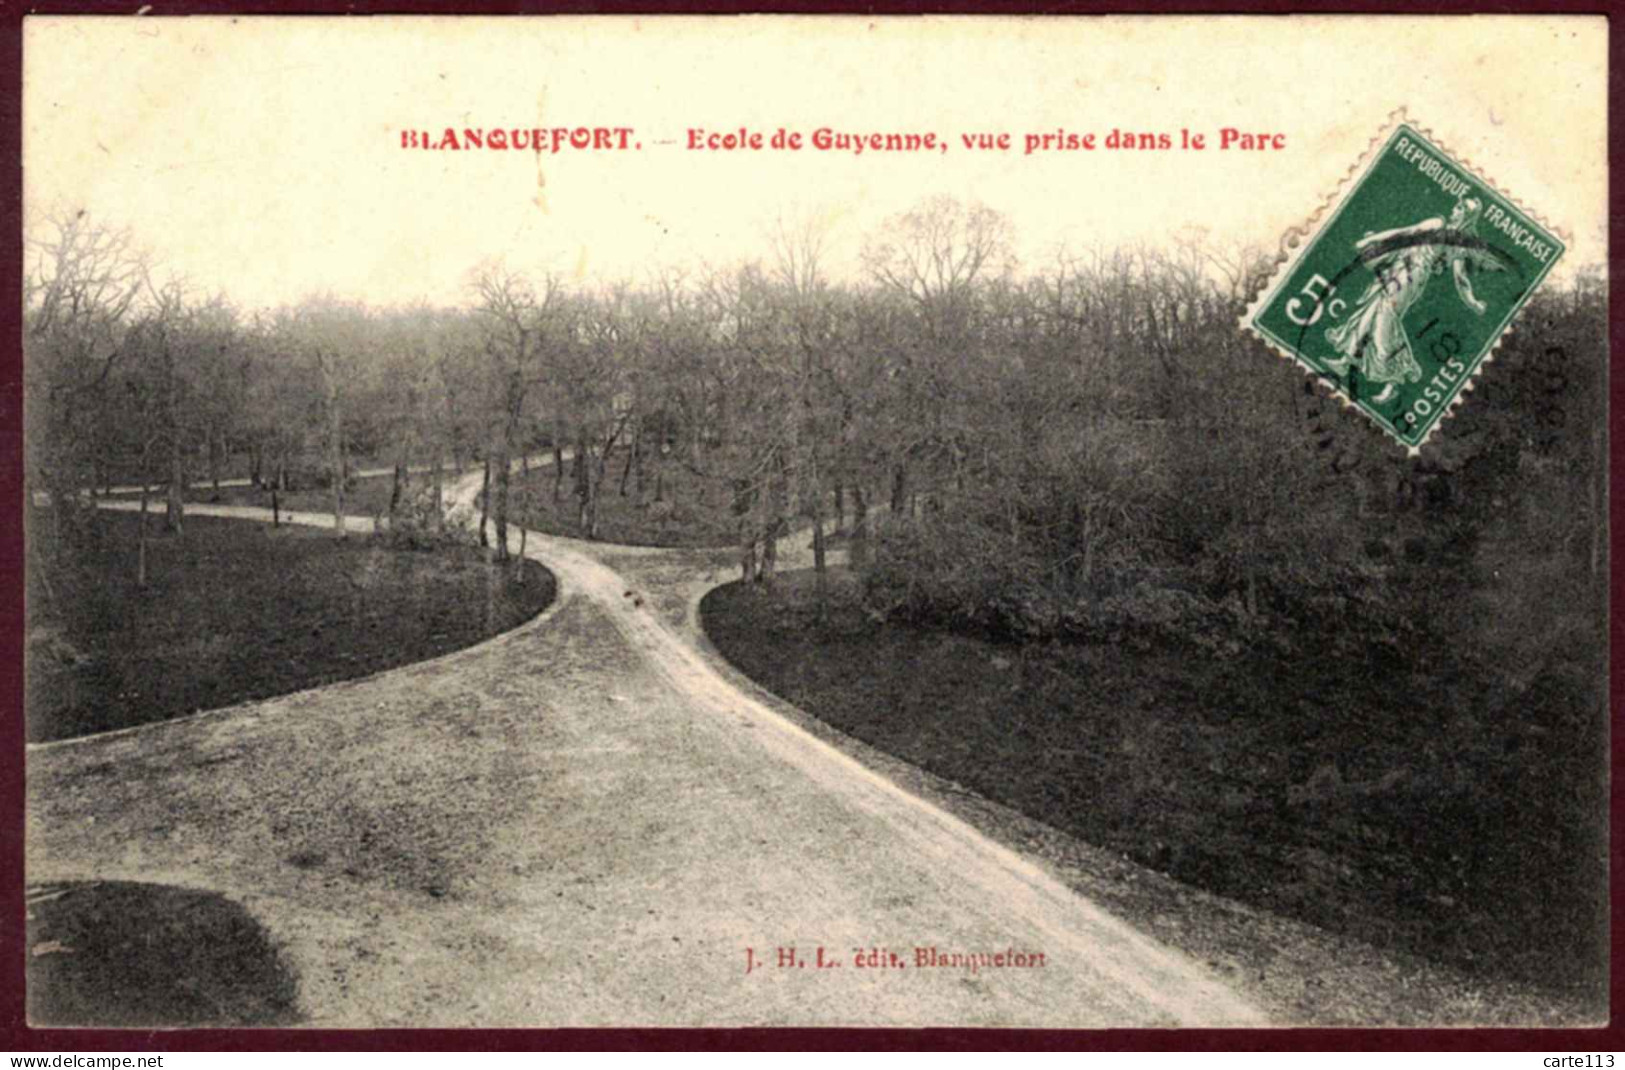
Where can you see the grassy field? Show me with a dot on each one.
(121, 955)
(1413, 803)
(237, 610)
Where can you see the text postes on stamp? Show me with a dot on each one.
(1406, 284)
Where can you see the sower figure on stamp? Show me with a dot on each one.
(1373, 339)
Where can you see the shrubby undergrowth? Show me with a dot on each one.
(1244, 508)
(419, 522)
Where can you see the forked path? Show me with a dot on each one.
(583, 822)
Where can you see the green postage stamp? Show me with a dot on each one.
(1401, 292)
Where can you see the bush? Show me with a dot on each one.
(949, 572)
(1152, 614)
(417, 525)
(957, 576)
(1054, 505)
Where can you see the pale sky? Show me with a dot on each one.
(261, 156)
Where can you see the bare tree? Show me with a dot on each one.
(935, 255)
(933, 259)
(82, 280)
(335, 337)
(516, 324)
(609, 331)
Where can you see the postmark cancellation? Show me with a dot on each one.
(1396, 293)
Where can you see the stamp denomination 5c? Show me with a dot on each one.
(1403, 290)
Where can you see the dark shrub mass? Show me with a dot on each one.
(120, 955)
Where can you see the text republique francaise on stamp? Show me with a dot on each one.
(1401, 293)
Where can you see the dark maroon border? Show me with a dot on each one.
(16, 1036)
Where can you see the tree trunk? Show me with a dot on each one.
(637, 467)
(558, 472)
(583, 486)
(58, 507)
(595, 491)
(501, 511)
(899, 488)
(396, 484)
(335, 431)
(279, 483)
(626, 469)
(840, 506)
(820, 581)
(858, 554)
(175, 507)
(439, 489)
(485, 500)
(217, 450)
(747, 552)
(818, 547)
(141, 538)
(770, 552)
(34, 561)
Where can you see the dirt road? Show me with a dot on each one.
(584, 822)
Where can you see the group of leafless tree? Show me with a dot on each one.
(998, 445)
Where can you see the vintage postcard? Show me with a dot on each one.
(805, 521)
